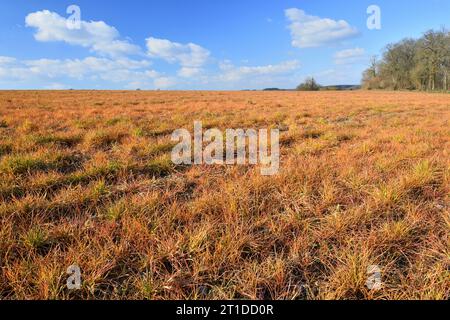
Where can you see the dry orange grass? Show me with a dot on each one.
(86, 179)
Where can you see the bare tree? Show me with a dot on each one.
(422, 64)
(310, 84)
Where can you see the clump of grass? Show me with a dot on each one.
(36, 238)
(312, 134)
(161, 131)
(423, 173)
(107, 171)
(102, 139)
(388, 195)
(28, 126)
(65, 141)
(9, 191)
(422, 179)
(287, 140)
(110, 168)
(279, 117)
(20, 164)
(160, 167)
(349, 276)
(161, 148)
(396, 231)
(303, 115)
(99, 190)
(65, 162)
(315, 146)
(5, 149)
(115, 211)
(85, 124)
(114, 121)
(139, 132)
(343, 137)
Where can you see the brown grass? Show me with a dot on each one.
(86, 178)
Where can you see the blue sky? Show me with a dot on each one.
(200, 44)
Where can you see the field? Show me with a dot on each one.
(86, 178)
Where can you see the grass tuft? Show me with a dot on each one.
(103, 139)
(160, 167)
(20, 164)
(36, 238)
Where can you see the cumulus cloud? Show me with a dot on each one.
(232, 73)
(350, 56)
(191, 57)
(114, 70)
(310, 31)
(188, 72)
(231, 77)
(95, 35)
(56, 86)
(6, 60)
(164, 82)
(341, 74)
(50, 71)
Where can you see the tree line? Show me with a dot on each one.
(310, 84)
(412, 64)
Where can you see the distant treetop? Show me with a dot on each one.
(309, 85)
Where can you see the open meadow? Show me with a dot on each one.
(86, 179)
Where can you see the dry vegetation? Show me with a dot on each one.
(86, 178)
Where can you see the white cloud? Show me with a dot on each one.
(164, 82)
(350, 56)
(339, 75)
(47, 72)
(95, 35)
(6, 60)
(188, 72)
(311, 31)
(152, 73)
(56, 86)
(191, 57)
(226, 65)
(232, 73)
(108, 69)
